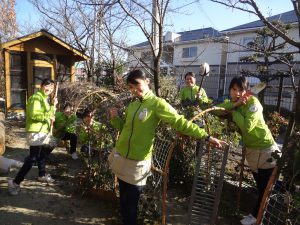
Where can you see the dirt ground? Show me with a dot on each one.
(59, 203)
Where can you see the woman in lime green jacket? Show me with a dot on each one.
(247, 113)
(131, 158)
(39, 117)
(191, 93)
(92, 134)
(65, 128)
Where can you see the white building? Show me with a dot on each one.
(186, 51)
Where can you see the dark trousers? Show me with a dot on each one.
(73, 141)
(129, 198)
(37, 154)
(261, 178)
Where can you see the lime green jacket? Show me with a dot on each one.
(65, 124)
(38, 113)
(141, 118)
(249, 118)
(191, 92)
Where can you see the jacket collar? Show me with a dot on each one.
(148, 95)
(41, 93)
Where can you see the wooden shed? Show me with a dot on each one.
(30, 59)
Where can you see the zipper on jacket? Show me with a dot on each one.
(192, 93)
(132, 123)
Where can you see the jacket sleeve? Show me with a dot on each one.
(117, 122)
(203, 97)
(34, 109)
(227, 104)
(248, 122)
(168, 114)
(83, 136)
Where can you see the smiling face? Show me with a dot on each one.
(88, 119)
(139, 89)
(190, 81)
(47, 89)
(68, 110)
(236, 92)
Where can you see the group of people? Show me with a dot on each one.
(41, 118)
(130, 159)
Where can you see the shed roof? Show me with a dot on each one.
(43, 33)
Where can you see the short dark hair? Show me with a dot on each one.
(88, 112)
(134, 75)
(68, 104)
(47, 81)
(192, 74)
(240, 81)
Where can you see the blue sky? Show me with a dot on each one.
(197, 16)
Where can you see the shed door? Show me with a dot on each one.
(39, 74)
(18, 80)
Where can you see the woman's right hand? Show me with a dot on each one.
(113, 112)
(243, 99)
(216, 142)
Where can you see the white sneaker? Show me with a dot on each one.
(46, 179)
(248, 220)
(74, 156)
(13, 188)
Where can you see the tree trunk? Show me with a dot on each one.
(114, 72)
(156, 65)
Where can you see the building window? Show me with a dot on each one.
(189, 52)
(251, 41)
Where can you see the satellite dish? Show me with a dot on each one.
(204, 69)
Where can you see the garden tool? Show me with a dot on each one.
(50, 140)
(204, 72)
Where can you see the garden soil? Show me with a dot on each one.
(60, 203)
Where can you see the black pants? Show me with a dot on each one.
(261, 178)
(73, 141)
(129, 198)
(37, 154)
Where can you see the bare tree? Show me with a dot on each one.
(8, 30)
(250, 6)
(84, 25)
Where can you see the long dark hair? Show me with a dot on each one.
(47, 81)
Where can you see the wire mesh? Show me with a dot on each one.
(282, 207)
(152, 204)
(207, 186)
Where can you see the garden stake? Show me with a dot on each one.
(50, 140)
